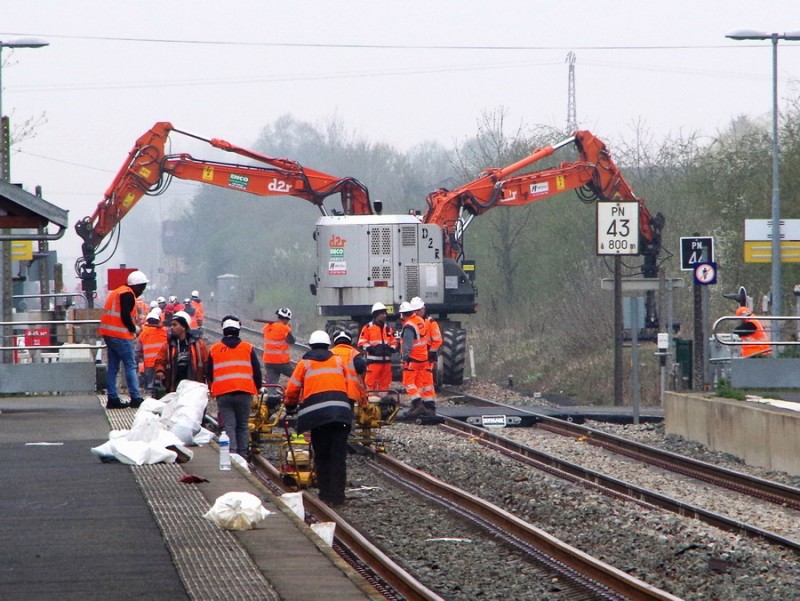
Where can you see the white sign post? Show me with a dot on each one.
(617, 228)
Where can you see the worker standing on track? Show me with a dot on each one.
(354, 365)
(183, 357)
(277, 338)
(751, 330)
(417, 376)
(152, 337)
(197, 304)
(234, 375)
(318, 387)
(118, 329)
(434, 333)
(377, 341)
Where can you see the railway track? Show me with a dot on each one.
(785, 497)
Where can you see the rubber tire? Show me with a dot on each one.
(452, 355)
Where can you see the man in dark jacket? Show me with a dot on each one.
(234, 375)
(319, 387)
(183, 357)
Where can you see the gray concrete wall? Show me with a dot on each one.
(47, 377)
(760, 435)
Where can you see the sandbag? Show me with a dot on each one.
(237, 511)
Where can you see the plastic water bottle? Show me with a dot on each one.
(224, 451)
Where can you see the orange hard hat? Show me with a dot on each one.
(743, 311)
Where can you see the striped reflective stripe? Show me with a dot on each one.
(313, 372)
(226, 364)
(323, 405)
(233, 376)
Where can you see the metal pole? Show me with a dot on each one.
(617, 331)
(635, 392)
(776, 202)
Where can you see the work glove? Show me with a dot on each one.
(432, 355)
(291, 409)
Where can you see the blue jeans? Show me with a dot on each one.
(121, 350)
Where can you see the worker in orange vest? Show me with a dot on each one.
(434, 332)
(118, 329)
(378, 343)
(318, 388)
(197, 304)
(234, 375)
(277, 338)
(354, 366)
(417, 375)
(750, 330)
(152, 337)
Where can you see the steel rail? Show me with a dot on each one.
(773, 492)
(354, 544)
(571, 471)
(577, 562)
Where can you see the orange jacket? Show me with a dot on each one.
(233, 371)
(434, 334)
(319, 385)
(378, 342)
(415, 340)
(276, 347)
(151, 339)
(199, 313)
(760, 335)
(356, 390)
(111, 323)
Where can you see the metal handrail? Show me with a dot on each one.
(750, 343)
(46, 322)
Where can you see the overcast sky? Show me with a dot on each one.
(395, 72)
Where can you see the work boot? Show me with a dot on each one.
(429, 408)
(136, 402)
(113, 402)
(417, 409)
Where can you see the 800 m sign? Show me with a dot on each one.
(617, 228)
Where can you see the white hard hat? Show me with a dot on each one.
(173, 299)
(195, 294)
(285, 312)
(319, 337)
(153, 304)
(342, 335)
(416, 303)
(405, 307)
(156, 315)
(161, 299)
(231, 321)
(137, 277)
(156, 310)
(184, 316)
(378, 307)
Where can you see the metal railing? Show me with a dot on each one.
(58, 322)
(730, 342)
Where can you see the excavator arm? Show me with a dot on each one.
(594, 176)
(149, 170)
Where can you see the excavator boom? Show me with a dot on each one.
(148, 170)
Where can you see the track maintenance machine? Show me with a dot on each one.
(365, 257)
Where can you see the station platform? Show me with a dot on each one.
(77, 528)
(578, 414)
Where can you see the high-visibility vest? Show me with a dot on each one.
(276, 349)
(199, 313)
(419, 350)
(152, 339)
(356, 391)
(434, 334)
(760, 335)
(321, 388)
(111, 323)
(142, 309)
(373, 335)
(233, 371)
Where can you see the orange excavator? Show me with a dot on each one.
(149, 169)
(364, 257)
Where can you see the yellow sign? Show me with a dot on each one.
(761, 251)
(22, 250)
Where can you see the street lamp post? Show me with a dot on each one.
(17, 43)
(749, 34)
(5, 174)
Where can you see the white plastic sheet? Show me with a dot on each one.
(237, 511)
(294, 501)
